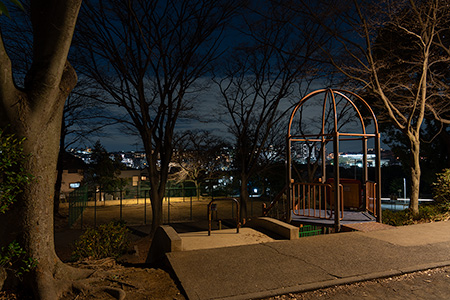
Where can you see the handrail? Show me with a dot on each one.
(307, 199)
(275, 200)
(223, 199)
(371, 197)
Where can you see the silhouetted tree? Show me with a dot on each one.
(199, 156)
(104, 170)
(148, 57)
(397, 51)
(262, 76)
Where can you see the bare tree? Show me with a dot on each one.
(35, 111)
(199, 156)
(397, 51)
(148, 56)
(261, 77)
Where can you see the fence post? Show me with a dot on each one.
(168, 206)
(138, 190)
(82, 210)
(232, 210)
(145, 207)
(95, 207)
(191, 207)
(120, 205)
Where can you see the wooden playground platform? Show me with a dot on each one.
(349, 217)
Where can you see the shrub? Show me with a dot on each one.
(15, 259)
(427, 213)
(13, 178)
(109, 240)
(397, 218)
(441, 188)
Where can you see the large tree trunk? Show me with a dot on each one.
(415, 176)
(158, 179)
(35, 204)
(58, 184)
(59, 167)
(156, 200)
(244, 197)
(35, 113)
(30, 222)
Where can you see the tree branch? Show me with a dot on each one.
(53, 22)
(6, 77)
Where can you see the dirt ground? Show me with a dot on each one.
(111, 279)
(136, 283)
(127, 274)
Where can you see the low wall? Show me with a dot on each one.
(165, 240)
(281, 228)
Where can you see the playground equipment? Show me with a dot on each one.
(344, 117)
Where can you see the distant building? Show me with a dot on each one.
(72, 174)
(71, 180)
(356, 159)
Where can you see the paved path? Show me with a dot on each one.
(280, 267)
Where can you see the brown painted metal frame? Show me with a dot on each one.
(303, 194)
(336, 137)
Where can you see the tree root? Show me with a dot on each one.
(3, 276)
(86, 277)
(99, 271)
(117, 293)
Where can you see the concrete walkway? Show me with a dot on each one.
(279, 267)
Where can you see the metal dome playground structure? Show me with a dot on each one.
(326, 119)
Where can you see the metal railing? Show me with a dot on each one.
(211, 208)
(266, 209)
(315, 200)
(371, 197)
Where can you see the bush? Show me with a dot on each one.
(441, 188)
(427, 213)
(15, 259)
(13, 179)
(397, 218)
(13, 176)
(109, 240)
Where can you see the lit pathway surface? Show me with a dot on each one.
(280, 267)
(222, 238)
